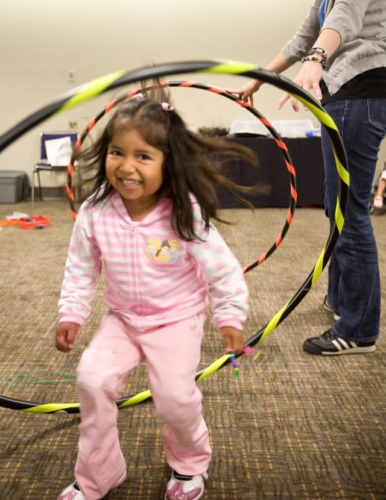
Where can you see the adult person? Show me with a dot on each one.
(342, 44)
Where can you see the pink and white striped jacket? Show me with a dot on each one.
(152, 277)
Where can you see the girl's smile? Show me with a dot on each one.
(134, 169)
(130, 184)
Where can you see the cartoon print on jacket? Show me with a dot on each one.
(162, 253)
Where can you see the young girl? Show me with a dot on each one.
(149, 217)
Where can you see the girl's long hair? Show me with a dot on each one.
(192, 163)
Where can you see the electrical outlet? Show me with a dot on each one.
(73, 124)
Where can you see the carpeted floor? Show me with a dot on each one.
(292, 426)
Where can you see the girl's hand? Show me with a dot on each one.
(308, 78)
(246, 92)
(233, 339)
(65, 336)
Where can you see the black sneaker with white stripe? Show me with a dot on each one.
(329, 308)
(331, 345)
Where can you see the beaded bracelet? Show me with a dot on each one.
(323, 63)
(234, 363)
(318, 50)
(248, 351)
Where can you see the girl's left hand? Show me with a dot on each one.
(308, 78)
(233, 339)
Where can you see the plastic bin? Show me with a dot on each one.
(11, 186)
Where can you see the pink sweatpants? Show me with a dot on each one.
(172, 353)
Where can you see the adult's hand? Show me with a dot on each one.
(277, 65)
(246, 93)
(310, 74)
(308, 78)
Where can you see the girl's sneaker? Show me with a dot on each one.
(73, 492)
(185, 490)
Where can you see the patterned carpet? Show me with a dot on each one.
(292, 426)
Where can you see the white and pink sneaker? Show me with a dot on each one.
(378, 202)
(73, 492)
(186, 490)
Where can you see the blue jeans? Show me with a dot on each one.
(353, 275)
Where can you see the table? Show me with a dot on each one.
(306, 155)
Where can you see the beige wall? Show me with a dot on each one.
(41, 40)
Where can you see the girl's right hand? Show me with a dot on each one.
(246, 92)
(65, 336)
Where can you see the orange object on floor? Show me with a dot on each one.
(12, 222)
(33, 222)
(36, 222)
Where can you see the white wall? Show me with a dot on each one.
(41, 40)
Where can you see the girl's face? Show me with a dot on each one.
(134, 169)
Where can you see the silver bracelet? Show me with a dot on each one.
(317, 50)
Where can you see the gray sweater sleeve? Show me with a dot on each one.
(304, 39)
(347, 18)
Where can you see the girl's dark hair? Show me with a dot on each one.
(191, 163)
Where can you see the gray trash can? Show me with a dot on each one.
(11, 185)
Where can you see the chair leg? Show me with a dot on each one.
(40, 187)
(33, 187)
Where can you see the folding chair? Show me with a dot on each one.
(43, 164)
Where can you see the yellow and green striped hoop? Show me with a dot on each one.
(121, 78)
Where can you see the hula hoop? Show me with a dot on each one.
(216, 90)
(121, 78)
